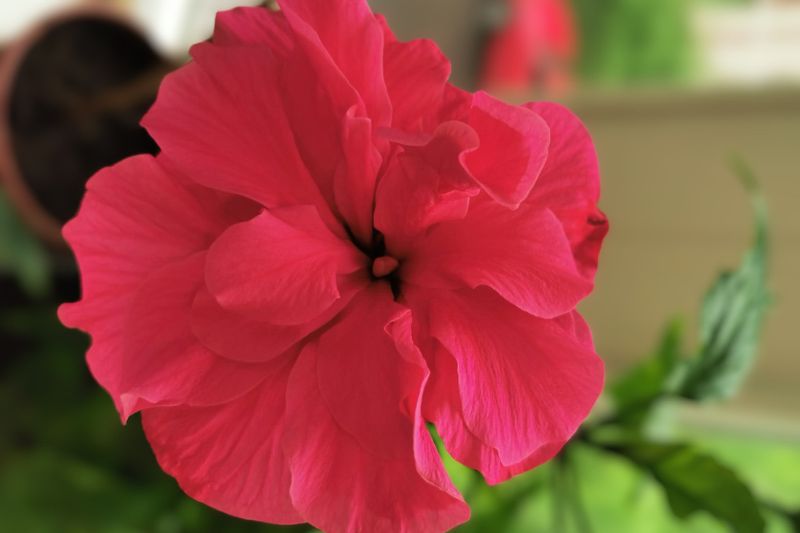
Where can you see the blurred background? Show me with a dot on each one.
(671, 90)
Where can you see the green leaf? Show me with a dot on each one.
(694, 481)
(648, 381)
(794, 520)
(21, 254)
(732, 317)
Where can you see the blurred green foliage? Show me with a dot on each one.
(629, 42)
(694, 481)
(66, 463)
(732, 316)
(21, 255)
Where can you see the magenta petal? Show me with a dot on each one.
(424, 185)
(429, 462)
(525, 383)
(346, 34)
(442, 406)
(135, 218)
(239, 337)
(248, 26)
(365, 400)
(338, 486)
(570, 184)
(416, 76)
(140, 227)
(230, 456)
(281, 267)
(220, 120)
(513, 150)
(243, 338)
(146, 355)
(522, 254)
(354, 182)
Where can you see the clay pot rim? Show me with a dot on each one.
(43, 224)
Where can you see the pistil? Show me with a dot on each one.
(383, 266)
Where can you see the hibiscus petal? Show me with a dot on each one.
(136, 225)
(354, 183)
(134, 218)
(246, 25)
(424, 185)
(525, 383)
(243, 338)
(522, 254)
(570, 184)
(332, 117)
(229, 456)
(346, 34)
(145, 354)
(431, 67)
(281, 267)
(442, 406)
(317, 114)
(416, 75)
(365, 400)
(339, 486)
(162, 363)
(514, 146)
(220, 121)
(429, 462)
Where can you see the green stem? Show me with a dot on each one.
(557, 482)
(579, 506)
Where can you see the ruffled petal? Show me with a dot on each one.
(318, 115)
(135, 217)
(259, 26)
(230, 456)
(430, 68)
(570, 184)
(366, 399)
(416, 75)
(144, 353)
(429, 462)
(514, 146)
(522, 254)
(137, 227)
(424, 185)
(220, 121)
(442, 406)
(246, 339)
(525, 384)
(344, 35)
(281, 267)
(344, 98)
(356, 175)
(339, 486)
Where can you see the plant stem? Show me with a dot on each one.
(557, 482)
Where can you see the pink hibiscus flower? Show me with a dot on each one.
(335, 248)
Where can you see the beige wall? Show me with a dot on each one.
(678, 216)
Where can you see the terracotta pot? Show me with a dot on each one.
(72, 92)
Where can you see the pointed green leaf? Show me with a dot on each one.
(21, 255)
(636, 391)
(694, 481)
(732, 317)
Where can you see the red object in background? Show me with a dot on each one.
(534, 49)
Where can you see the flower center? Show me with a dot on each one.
(383, 266)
